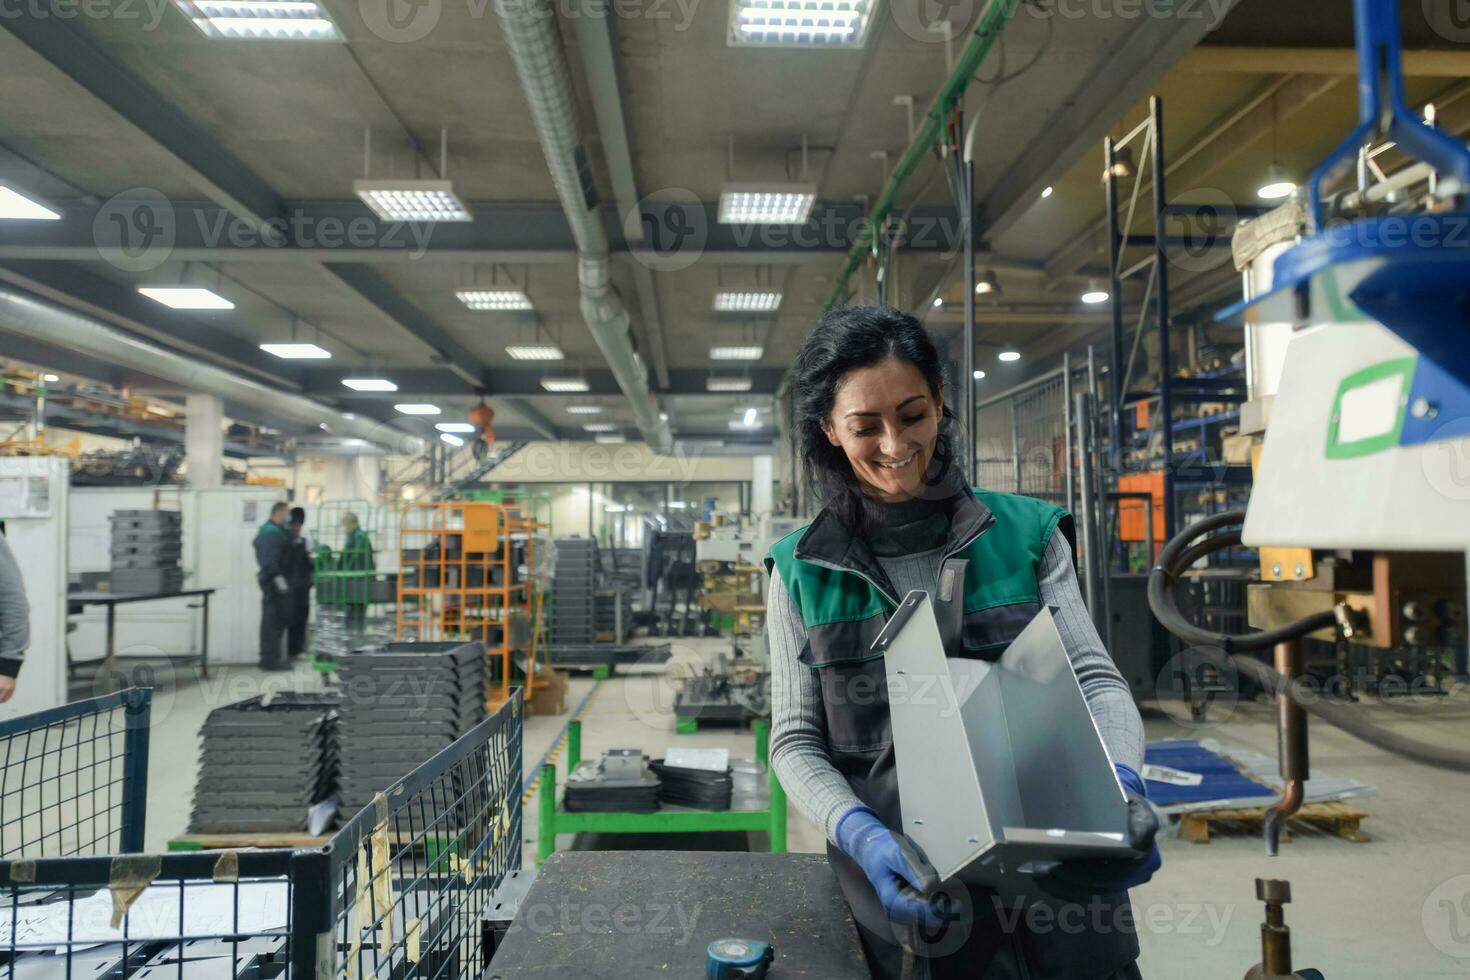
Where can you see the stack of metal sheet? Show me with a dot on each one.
(402, 704)
(574, 579)
(265, 762)
(146, 547)
(613, 610)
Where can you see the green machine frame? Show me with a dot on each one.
(554, 820)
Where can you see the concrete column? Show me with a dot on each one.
(204, 440)
(367, 476)
(762, 485)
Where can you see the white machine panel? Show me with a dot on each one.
(37, 535)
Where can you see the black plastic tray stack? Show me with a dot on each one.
(265, 762)
(590, 791)
(702, 789)
(609, 619)
(574, 580)
(401, 704)
(146, 548)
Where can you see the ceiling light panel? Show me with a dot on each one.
(599, 427)
(727, 384)
(15, 206)
(535, 352)
(369, 384)
(564, 384)
(799, 23)
(455, 426)
(412, 200)
(260, 20)
(416, 408)
(494, 299)
(766, 204)
(584, 409)
(748, 352)
(747, 302)
(610, 438)
(187, 297)
(297, 352)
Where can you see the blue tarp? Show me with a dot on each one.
(1222, 780)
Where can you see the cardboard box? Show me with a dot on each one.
(550, 694)
(1237, 450)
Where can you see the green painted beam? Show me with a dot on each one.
(986, 32)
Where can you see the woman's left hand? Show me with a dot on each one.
(1080, 879)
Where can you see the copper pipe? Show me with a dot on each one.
(1291, 733)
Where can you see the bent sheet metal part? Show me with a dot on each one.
(999, 764)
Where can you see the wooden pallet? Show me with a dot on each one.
(1335, 818)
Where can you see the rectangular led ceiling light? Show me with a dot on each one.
(412, 200)
(187, 297)
(751, 352)
(535, 352)
(747, 302)
(260, 20)
(585, 409)
(369, 384)
(726, 384)
(453, 440)
(766, 204)
(494, 299)
(564, 384)
(799, 23)
(416, 408)
(599, 427)
(455, 426)
(297, 352)
(15, 206)
(611, 438)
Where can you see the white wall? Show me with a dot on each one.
(38, 542)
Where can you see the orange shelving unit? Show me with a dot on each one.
(465, 573)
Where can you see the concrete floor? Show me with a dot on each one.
(1398, 906)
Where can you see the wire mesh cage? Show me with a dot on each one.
(75, 778)
(354, 558)
(397, 893)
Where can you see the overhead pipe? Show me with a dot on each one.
(50, 323)
(541, 64)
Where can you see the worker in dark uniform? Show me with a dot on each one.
(272, 556)
(884, 453)
(299, 577)
(357, 556)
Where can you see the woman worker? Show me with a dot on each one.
(880, 449)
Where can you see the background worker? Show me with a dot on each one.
(272, 556)
(299, 577)
(357, 556)
(15, 620)
(882, 451)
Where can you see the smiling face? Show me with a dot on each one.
(886, 420)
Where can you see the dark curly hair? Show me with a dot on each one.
(845, 339)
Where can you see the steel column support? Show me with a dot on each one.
(1166, 373)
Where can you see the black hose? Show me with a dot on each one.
(1183, 551)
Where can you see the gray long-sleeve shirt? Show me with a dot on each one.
(798, 728)
(15, 613)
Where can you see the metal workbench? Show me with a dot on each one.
(615, 915)
(111, 600)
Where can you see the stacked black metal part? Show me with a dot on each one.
(574, 618)
(702, 789)
(265, 762)
(402, 703)
(146, 547)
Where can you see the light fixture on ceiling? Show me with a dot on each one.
(1122, 166)
(451, 438)
(727, 383)
(663, 416)
(15, 206)
(369, 384)
(1046, 192)
(747, 301)
(412, 200)
(297, 352)
(737, 352)
(750, 418)
(494, 299)
(456, 427)
(766, 204)
(988, 284)
(535, 352)
(938, 302)
(599, 427)
(979, 375)
(584, 409)
(610, 438)
(1009, 355)
(50, 378)
(1094, 294)
(260, 20)
(1276, 185)
(799, 23)
(416, 408)
(564, 383)
(187, 297)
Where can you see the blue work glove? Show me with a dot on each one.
(903, 877)
(1081, 878)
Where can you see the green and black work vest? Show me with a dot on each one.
(986, 593)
